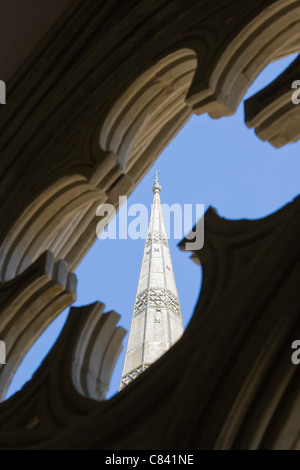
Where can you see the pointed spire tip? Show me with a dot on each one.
(156, 188)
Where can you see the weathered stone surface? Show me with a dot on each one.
(273, 114)
(228, 383)
(129, 87)
(75, 373)
(87, 114)
(29, 303)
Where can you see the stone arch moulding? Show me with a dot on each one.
(96, 349)
(29, 303)
(150, 113)
(45, 224)
(271, 35)
(253, 387)
(271, 111)
(124, 53)
(70, 382)
(161, 93)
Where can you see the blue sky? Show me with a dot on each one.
(218, 163)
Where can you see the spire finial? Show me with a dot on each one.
(156, 186)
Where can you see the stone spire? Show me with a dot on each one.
(156, 320)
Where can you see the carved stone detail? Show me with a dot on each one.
(132, 376)
(156, 236)
(156, 298)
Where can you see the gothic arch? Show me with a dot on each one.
(270, 35)
(142, 68)
(192, 72)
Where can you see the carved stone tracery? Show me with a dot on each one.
(89, 111)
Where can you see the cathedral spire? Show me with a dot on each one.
(156, 320)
